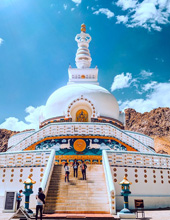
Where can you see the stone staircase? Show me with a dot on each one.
(77, 196)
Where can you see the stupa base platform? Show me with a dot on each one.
(78, 216)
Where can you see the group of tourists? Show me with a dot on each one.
(40, 197)
(75, 166)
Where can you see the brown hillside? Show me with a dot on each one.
(155, 123)
(4, 136)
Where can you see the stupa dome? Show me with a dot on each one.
(67, 100)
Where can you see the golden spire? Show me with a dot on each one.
(83, 28)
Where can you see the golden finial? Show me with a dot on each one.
(83, 28)
(125, 181)
(29, 180)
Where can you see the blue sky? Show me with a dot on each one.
(130, 45)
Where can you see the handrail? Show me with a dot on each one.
(48, 172)
(109, 182)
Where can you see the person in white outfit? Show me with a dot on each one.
(67, 172)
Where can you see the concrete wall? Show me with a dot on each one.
(149, 174)
(11, 179)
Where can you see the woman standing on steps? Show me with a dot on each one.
(67, 171)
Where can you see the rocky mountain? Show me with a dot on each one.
(155, 124)
(4, 136)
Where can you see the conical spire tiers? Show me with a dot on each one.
(83, 58)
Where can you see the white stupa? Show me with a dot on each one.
(82, 121)
(83, 84)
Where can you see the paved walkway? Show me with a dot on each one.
(156, 215)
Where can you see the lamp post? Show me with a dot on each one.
(28, 191)
(125, 191)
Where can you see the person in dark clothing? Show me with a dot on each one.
(19, 198)
(83, 167)
(75, 168)
(40, 201)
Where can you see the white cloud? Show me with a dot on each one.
(122, 81)
(72, 9)
(105, 11)
(121, 19)
(149, 14)
(77, 1)
(145, 73)
(149, 86)
(126, 4)
(159, 97)
(65, 6)
(31, 120)
(1, 41)
(14, 124)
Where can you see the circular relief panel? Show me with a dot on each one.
(79, 145)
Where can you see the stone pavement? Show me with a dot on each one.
(156, 215)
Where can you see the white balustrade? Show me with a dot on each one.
(134, 159)
(26, 158)
(141, 137)
(18, 137)
(109, 182)
(66, 129)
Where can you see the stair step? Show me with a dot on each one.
(77, 196)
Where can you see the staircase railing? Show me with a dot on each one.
(48, 172)
(109, 182)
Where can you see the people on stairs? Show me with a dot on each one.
(67, 172)
(75, 168)
(83, 167)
